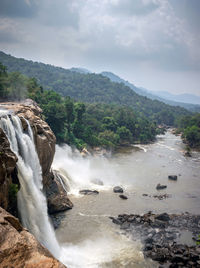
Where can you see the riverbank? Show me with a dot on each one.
(87, 229)
(167, 239)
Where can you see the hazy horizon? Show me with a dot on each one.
(153, 44)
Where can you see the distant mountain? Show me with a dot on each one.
(80, 70)
(186, 98)
(165, 97)
(94, 88)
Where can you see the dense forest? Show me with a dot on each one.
(93, 88)
(189, 126)
(77, 123)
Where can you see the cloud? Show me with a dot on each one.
(136, 7)
(127, 34)
(60, 13)
(18, 8)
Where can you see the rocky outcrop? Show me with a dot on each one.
(162, 236)
(56, 193)
(44, 138)
(45, 145)
(7, 165)
(18, 248)
(118, 189)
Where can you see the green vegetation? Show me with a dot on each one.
(89, 109)
(93, 88)
(85, 124)
(189, 126)
(79, 123)
(12, 197)
(198, 241)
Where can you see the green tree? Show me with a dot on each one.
(192, 135)
(17, 86)
(124, 134)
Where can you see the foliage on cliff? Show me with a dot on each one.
(93, 88)
(190, 128)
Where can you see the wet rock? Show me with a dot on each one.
(125, 225)
(163, 217)
(85, 152)
(160, 187)
(159, 235)
(122, 196)
(161, 196)
(118, 189)
(57, 219)
(57, 199)
(187, 154)
(173, 177)
(116, 221)
(88, 192)
(18, 248)
(8, 162)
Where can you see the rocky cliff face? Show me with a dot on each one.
(45, 145)
(7, 165)
(44, 138)
(18, 248)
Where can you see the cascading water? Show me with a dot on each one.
(32, 203)
(98, 245)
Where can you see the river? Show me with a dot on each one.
(89, 237)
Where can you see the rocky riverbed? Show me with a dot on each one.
(170, 240)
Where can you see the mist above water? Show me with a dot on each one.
(87, 237)
(93, 172)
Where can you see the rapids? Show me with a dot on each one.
(87, 231)
(86, 236)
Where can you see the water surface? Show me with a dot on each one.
(93, 239)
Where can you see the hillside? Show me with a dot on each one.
(167, 98)
(181, 98)
(93, 88)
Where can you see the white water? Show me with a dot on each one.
(97, 251)
(87, 237)
(84, 173)
(32, 203)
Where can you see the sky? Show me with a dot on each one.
(154, 44)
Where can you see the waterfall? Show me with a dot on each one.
(32, 203)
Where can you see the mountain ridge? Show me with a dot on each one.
(152, 95)
(92, 88)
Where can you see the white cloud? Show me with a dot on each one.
(104, 34)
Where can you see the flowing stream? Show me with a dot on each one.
(91, 237)
(86, 236)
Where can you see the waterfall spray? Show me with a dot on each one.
(32, 203)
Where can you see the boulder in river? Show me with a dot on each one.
(88, 192)
(118, 189)
(160, 187)
(163, 217)
(173, 177)
(122, 196)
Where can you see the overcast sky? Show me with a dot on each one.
(152, 43)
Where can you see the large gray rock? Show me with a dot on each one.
(173, 177)
(57, 198)
(118, 189)
(160, 187)
(88, 192)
